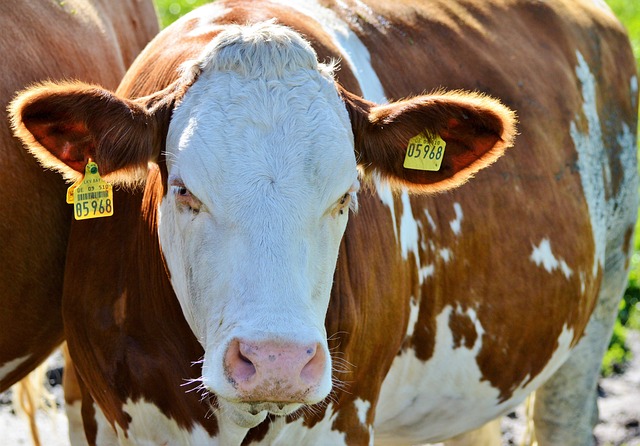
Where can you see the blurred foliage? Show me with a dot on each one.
(171, 10)
(619, 354)
(628, 11)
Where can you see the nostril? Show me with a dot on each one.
(243, 358)
(238, 366)
(311, 351)
(314, 368)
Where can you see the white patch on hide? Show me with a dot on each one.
(362, 408)
(414, 312)
(430, 219)
(321, 434)
(607, 217)
(456, 225)
(408, 230)
(446, 254)
(583, 282)
(75, 424)
(543, 256)
(386, 197)
(149, 426)
(426, 272)
(105, 434)
(430, 401)
(591, 160)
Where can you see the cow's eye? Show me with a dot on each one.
(346, 202)
(184, 198)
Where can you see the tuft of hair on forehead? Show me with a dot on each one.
(261, 50)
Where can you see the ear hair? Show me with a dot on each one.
(65, 124)
(476, 128)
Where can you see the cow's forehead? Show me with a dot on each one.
(281, 124)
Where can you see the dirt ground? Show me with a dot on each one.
(619, 404)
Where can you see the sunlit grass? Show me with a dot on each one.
(171, 10)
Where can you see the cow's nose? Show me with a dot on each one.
(274, 371)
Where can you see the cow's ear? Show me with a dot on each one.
(477, 130)
(65, 124)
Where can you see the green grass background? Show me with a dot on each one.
(170, 10)
(628, 11)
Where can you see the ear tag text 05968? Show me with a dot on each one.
(424, 153)
(92, 196)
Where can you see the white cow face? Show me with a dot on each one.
(262, 172)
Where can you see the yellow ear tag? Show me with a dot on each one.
(424, 153)
(71, 189)
(92, 196)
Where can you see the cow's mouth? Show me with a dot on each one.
(279, 409)
(250, 414)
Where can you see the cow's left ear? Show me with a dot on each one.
(65, 124)
(477, 130)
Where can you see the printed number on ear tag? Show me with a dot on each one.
(424, 153)
(92, 197)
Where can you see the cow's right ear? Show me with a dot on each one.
(476, 129)
(65, 124)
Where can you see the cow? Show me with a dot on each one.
(88, 40)
(233, 298)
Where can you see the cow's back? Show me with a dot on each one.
(93, 41)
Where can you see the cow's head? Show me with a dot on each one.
(264, 157)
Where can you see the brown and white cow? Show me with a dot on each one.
(210, 308)
(90, 40)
